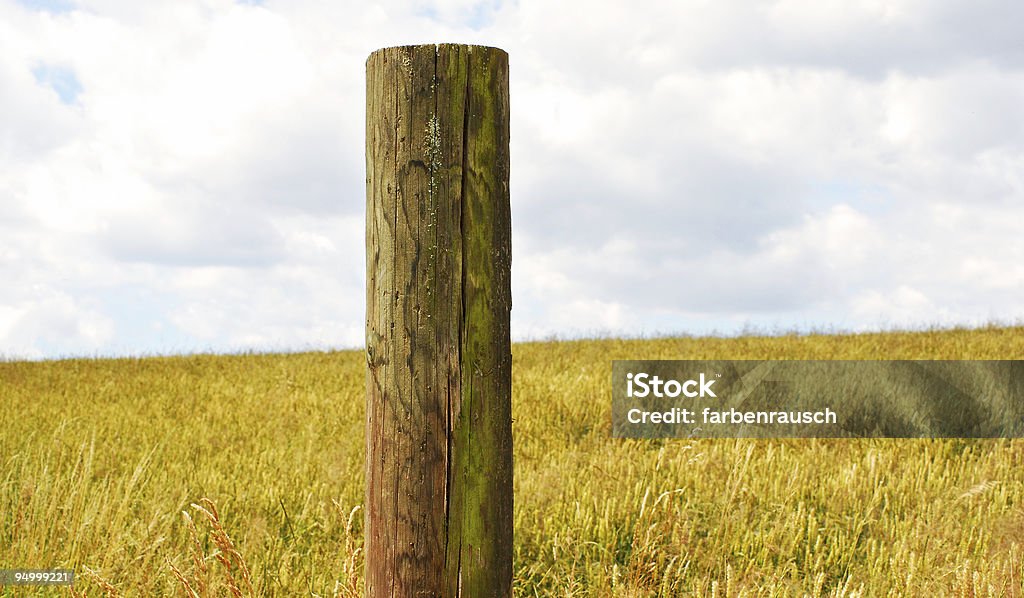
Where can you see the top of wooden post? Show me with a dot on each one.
(438, 48)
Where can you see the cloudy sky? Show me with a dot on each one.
(188, 175)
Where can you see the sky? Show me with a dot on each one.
(188, 176)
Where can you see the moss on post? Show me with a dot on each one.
(438, 233)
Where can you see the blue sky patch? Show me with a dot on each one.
(48, 5)
(476, 17)
(863, 196)
(61, 79)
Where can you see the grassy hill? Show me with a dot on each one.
(101, 457)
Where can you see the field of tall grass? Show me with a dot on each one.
(211, 475)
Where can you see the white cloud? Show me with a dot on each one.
(677, 166)
(900, 306)
(53, 323)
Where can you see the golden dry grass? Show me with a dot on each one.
(101, 458)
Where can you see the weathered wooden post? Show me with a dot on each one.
(438, 298)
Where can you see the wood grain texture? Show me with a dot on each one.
(438, 270)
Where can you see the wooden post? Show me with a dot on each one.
(438, 298)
